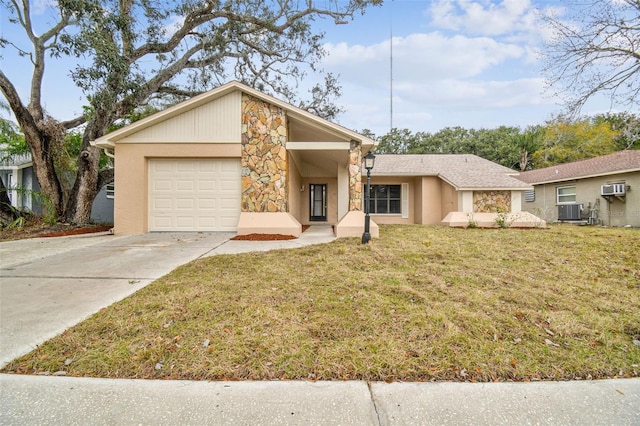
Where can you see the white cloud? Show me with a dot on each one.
(421, 57)
(451, 93)
(476, 64)
(484, 17)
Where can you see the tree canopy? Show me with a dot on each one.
(559, 140)
(135, 52)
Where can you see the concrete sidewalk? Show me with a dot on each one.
(82, 401)
(48, 285)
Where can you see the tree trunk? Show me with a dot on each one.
(40, 144)
(87, 183)
(85, 187)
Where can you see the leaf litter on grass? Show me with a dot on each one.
(470, 305)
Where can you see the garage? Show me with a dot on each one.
(194, 194)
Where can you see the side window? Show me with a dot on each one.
(111, 190)
(566, 194)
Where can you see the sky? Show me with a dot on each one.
(420, 65)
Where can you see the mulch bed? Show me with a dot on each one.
(263, 237)
(267, 237)
(77, 231)
(57, 230)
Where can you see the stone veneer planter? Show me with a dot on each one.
(264, 157)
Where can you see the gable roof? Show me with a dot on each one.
(462, 171)
(108, 140)
(618, 162)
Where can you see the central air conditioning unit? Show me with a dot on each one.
(613, 189)
(569, 211)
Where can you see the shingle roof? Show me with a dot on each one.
(463, 171)
(622, 161)
(14, 160)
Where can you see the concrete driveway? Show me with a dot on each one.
(50, 284)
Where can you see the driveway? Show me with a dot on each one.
(50, 284)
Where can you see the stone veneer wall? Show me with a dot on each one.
(491, 201)
(264, 157)
(355, 176)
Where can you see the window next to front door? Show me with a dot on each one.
(385, 199)
(318, 202)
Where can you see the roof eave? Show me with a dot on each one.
(496, 188)
(594, 175)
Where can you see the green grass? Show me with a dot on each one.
(420, 303)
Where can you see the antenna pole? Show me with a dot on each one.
(391, 71)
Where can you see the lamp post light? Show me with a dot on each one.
(369, 161)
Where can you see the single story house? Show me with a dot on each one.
(18, 176)
(19, 179)
(236, 159)
(603, 190)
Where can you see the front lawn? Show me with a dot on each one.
(420, 303)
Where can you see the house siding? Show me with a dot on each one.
(132, 183)
(616, 213)
(449, 199)
(213, 122)
(294, 185)
(427, 200)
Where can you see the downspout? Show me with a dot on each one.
(109, 153)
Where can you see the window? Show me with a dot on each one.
(566, 194)
(385, 199)
(111, 190)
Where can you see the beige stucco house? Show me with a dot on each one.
(603, 190)
(235, 159)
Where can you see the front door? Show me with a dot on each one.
(318, 202)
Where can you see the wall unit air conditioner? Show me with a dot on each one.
(569, 211)
(613, 189)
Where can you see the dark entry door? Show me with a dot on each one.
(318, 202)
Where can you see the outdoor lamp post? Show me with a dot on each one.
(369, 161)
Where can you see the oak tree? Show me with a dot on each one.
(133, 52)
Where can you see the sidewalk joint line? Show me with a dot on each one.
(373, 401)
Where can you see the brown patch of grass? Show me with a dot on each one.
(420, 303)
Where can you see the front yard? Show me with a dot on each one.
(420, 303)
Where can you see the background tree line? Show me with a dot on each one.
(559, 140)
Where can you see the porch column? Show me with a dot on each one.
(264, 157)
(355, 176)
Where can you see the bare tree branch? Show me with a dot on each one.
(596, 51)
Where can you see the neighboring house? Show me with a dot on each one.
(235, 159)
(17, 174)
(24, 192)
(602, 190)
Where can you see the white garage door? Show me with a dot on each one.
(188, 194)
